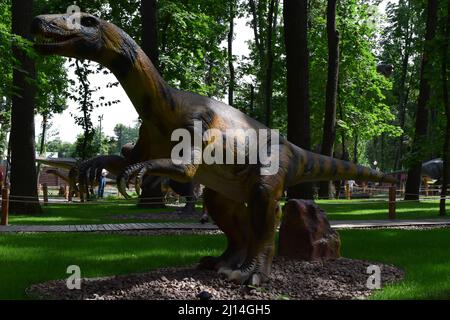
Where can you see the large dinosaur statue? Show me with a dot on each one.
(241, 198)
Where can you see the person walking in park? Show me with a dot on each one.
(102, 183)
(351, 184)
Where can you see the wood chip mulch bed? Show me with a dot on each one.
(290, 279)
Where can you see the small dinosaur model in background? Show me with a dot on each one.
(82, 177)
(69, 165)
(243, 202)
(149, 188)
(71, 182)
(433, 170)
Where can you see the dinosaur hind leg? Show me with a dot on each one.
(230, 217)
(264, 214)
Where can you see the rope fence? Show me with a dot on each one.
(391, 195)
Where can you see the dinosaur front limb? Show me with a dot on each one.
(157, 167)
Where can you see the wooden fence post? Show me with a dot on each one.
(5, 206)
(45, 190)
(392, 198)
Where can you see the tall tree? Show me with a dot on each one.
(272, 18)
(232, 80)
(150, 197)
(83, 95)
(403, 91)
(414, 173)
(446, 151)
(329, 126)
(149, 24)
(264, 56)
(256, 30)
(295, 15)
(23, 166)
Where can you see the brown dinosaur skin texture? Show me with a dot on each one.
(241, 201)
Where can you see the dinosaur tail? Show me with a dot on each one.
(317, 167)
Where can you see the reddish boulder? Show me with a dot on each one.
(306, 234)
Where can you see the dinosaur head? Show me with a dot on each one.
(86, 37)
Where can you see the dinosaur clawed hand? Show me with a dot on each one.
(137, 170)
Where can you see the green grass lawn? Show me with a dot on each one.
(31, 258)
(104, 212)
(422, 254)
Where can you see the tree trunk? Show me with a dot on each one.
(230, 54)
(256, 26)
(403, 99)
(209, 74)
(149, 26)
(82, 74)
(42, 142)
(23, 163)
(163, 36)
(256, 30)
(252, 99)
(329, 126)
(414, 173)
(381, 162)
(151, 195)
(296, 42)
(446, 153)
(268, 83)
(43, 133)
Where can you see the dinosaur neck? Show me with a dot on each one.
(145, 87)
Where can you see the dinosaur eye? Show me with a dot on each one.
(88, 22)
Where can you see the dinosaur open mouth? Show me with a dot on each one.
(51, 39)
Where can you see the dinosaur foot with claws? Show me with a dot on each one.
(229, 260)
(254, 271)
(236, 266)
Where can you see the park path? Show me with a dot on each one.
(343, 224)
